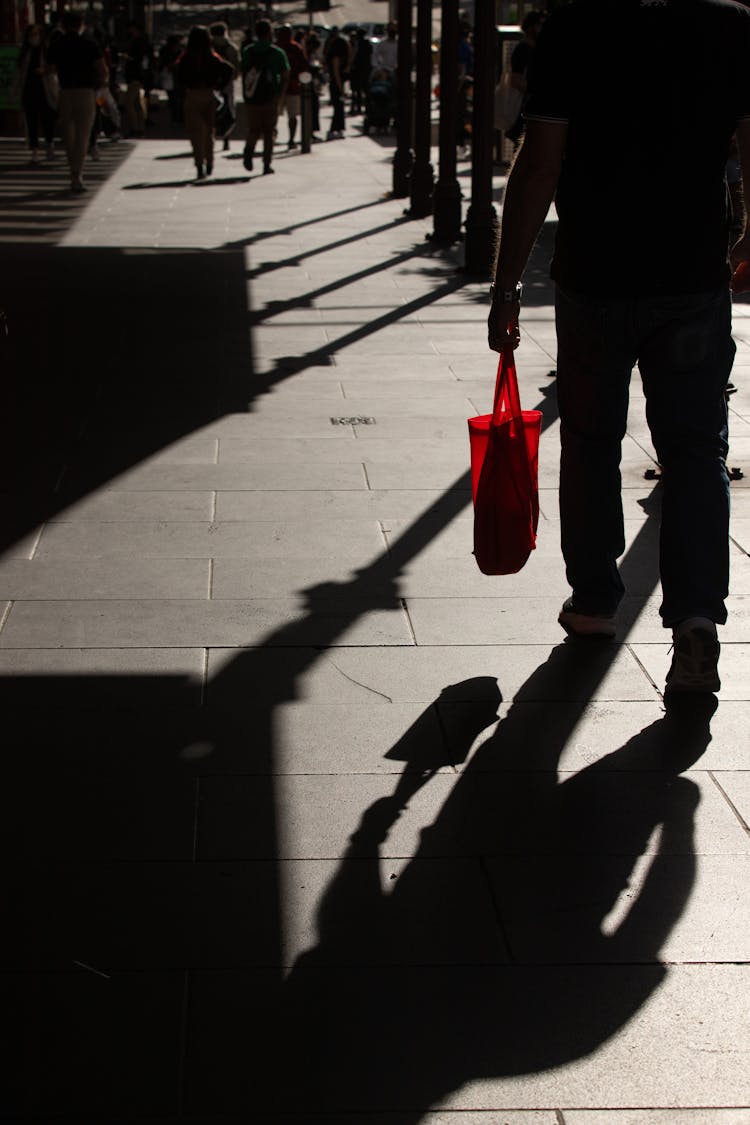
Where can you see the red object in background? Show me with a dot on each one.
(740, 282)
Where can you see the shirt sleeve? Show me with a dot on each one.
(550, 91)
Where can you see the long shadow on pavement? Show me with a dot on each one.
(148, 952)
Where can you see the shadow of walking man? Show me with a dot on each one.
(526, 931)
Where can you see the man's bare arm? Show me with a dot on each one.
(529, 192)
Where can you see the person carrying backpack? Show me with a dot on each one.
(265, 76)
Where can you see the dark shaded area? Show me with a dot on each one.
(147, 905)
(98, 375)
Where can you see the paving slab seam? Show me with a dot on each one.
(627, 645)
(5, 614)
(729, 801)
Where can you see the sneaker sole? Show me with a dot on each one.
(588, 629)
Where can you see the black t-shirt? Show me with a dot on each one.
(652, 91)
(337, 48)
(75, 59)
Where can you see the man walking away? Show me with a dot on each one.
(80, 69)
(641, 266)
(265, 73)
(297, 65)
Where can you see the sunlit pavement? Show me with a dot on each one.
(307, 820)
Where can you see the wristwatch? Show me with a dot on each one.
(506, 295)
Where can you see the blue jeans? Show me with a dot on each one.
(684, 350)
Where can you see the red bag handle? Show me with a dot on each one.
(507, 403)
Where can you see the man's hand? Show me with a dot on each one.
(502, 324)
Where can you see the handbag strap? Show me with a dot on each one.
(507, 402)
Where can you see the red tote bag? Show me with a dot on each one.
(504, 476)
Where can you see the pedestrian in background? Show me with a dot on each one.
(138, 69)
(313, 50)
(361, 68)
(337, 63)
(168, 80)
(265, 70)
(80, 69)
(201, 72)
(34, 92)
(385, 53)
(297, 60)
(632, 288)
(224, 46)
(521, 61)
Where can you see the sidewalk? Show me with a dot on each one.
(307, 820)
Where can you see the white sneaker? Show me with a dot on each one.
(695, 657)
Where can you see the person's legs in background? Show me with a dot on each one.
(208, 121)
(134, 108)
(254, 126)
(77, 109)
(292, 112)
(269, 133)
(31, 117)
(337, 102)
(194, 128)
(49, 121)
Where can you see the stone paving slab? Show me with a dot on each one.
(357, 541)
(77, 575)
(116, 507)
(656, 1117)
(482, 1026)
(178, 623)
(407, 504)
(600, 729)
(126, 1031)
(85, 675)
(262, 477)
(542, 672)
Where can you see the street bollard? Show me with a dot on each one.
(306, 110)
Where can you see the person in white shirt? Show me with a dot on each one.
(385, 55)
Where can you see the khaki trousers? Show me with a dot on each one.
(200, 114)
(77, 108)
(134, 107)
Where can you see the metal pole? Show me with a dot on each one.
(422, 180)
(481, 219)
(447, 196)
(403, 159)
